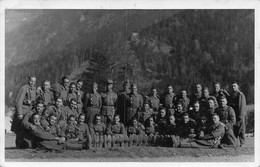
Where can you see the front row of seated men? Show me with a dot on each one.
(60, 127)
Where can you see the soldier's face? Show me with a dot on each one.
(223, 102)
(71, 120)
(36, 120)
(39, 107)
(79, 85)
(95, 88)
(53, 120)
(186, 119)
(134, 122)
(134, 89)
(196, 107)
(217, 87)
(206, 93)
(46, 85)
(81, 119)
(211, 103)
(170, 89)
(98, 119)
(198, 88)
(117, 119)
(184, 94)
(162, 113)
(66, 82)
(151, 121)
(109, 86)
(154, 92)
(215, 119)
(146, 107)
(179, 108)
(32, 81)
(73, 104)
(172, 120)
(58, 102)
(72, 88)
(234, 87)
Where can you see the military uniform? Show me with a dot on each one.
(238, 102)
(122, 104)
(47, 96)
(83, 133)
(134, 104)
(136, 134)
(195, 115)
(45, 139)
(178, 117)
(92, 106)
(98, 133)
(71, 111)
(24, 101)
(73, 95)
(169, 102)
(185, 104)
(60, 113)
(109, 104)
(215, 132)
(219, 94)
(118, 133)
(59, 88)
(154, 103)
(227, 116)
(144, 115)
(204, 103)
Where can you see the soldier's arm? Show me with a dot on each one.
(25, 121)
(115, 101)
(19, 100)
(219, 131)
(241, 106)
(45, 116)
(85, 101)
(43, 135)
(232, 118)
(100, 101)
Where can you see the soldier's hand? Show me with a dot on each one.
(20, 117)
(39, 88)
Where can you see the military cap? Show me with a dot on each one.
(109, 81)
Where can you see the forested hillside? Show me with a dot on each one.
(151, 48)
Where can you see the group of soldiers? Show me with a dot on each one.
(62, 116)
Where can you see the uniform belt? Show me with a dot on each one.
(93, 106)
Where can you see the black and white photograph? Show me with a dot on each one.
(129, 82)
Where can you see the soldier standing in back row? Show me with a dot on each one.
(92, 104)
(238, 102)
(109, 103)
(24, 101)
(61, 89)
(134, 104)
(170, 100)
(122, 97)
(154, 101)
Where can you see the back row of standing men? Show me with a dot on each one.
(129, 104)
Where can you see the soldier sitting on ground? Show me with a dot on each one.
(136, 133)
(150, 130)
(145, 113)
(83, 132)
(98, 131)
(43, 139)
(214, 135)
(179, 114)
(27, 122)
(186, 131)
(72, 109)
(117, 131)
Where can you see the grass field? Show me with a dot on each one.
(140, 154)
(132, 153)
